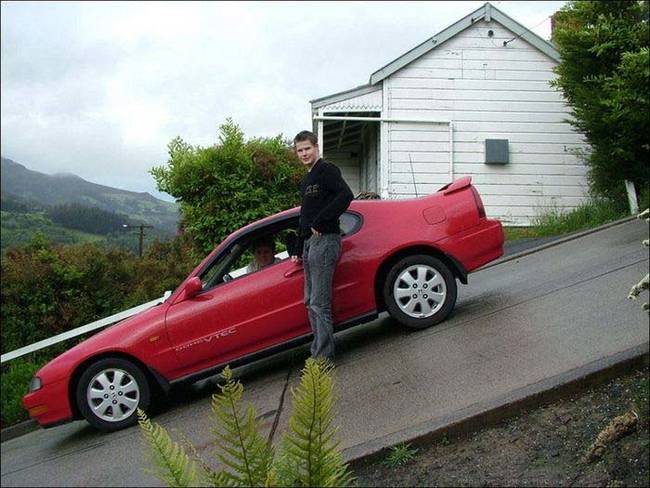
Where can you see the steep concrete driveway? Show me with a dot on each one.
(517, 324)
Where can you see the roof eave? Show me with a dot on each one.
(344, 95)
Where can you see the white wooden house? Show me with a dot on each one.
(427, 117)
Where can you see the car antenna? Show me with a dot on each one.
(413, 174)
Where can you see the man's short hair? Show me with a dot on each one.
(306, 135)
(264, 242)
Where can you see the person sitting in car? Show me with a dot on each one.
(263, 255)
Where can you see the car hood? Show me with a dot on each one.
(117, 337)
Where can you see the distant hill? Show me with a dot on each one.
(18, 229)
(33, 188)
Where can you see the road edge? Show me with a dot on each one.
(561, 240)
(489, 413)
(18, 430)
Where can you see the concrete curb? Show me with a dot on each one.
(489, 413)
(559, 241)
(17, 430)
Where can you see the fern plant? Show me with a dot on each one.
(237, 431)
(174, 466)
(308, 454)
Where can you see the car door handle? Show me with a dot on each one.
(293, 271)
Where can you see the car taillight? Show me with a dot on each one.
(479, 203)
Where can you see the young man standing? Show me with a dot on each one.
(325, 196)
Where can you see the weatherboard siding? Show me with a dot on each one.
(488, 91)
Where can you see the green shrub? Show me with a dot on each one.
(230, 184)
(400, 454)
(15, 384)
(49, 289)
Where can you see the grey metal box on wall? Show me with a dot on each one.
(496, 151)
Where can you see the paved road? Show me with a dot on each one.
(519, 245)
(515, 324)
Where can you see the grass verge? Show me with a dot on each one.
(557, 222)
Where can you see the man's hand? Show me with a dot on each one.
(296, 259)
(315, 232)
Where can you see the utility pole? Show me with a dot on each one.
(142, 227)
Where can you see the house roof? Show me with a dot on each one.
(344, 95)
(487, 12)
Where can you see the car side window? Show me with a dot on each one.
(350, 222)
(263, 251)
(251, 254)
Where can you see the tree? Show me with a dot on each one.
(604, 75)
(88, 219)
(230, 184)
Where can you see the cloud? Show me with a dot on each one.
(100, 88)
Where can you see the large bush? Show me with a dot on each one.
(230, 184)
(48, 289)
(605, 77)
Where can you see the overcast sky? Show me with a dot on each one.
(99, 88)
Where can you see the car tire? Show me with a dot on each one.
(420, 291)
(110, 391)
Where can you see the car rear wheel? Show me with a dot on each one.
(109, 393)
(419, 291)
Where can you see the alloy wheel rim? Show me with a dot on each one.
(113, 395)
(420, 291)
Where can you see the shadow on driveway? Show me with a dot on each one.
(519, 245)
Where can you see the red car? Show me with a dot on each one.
(399, 256)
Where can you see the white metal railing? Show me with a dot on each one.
(98, 324)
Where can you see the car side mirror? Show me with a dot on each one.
(193, 287)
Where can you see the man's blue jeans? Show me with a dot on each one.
(320, 254)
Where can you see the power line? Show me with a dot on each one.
(505, 43)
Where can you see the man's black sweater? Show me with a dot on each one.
(325, 196)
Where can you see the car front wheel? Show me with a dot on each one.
(420, 291)
(110, 391)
